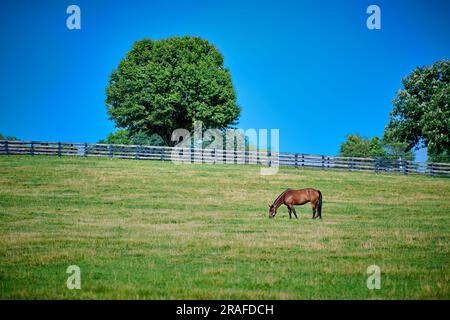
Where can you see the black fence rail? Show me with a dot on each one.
(198, 155)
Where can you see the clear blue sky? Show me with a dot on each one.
(310, 68)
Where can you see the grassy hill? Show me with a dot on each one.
(150, 229)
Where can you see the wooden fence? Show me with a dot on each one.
(298, 160)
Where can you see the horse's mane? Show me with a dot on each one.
(279, 197)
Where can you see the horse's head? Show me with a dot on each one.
(272, 211)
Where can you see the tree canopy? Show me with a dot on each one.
(421, 113)
(168, 84)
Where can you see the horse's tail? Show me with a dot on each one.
(319, 205)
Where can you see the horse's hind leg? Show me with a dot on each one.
(314, 208)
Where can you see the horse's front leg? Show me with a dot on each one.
(290, 211)
(295, 213)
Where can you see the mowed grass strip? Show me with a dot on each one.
(157, 230)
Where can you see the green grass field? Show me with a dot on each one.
(156, 230)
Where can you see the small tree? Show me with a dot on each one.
(119, 137)
(12, 138)
(357, 146)
(140, 138)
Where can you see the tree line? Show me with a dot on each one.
(420, 118)
(163, 85)
(171, 83)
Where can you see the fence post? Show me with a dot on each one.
(59, 149)
(85, 150)
(303, 160)
(32, 148)
(350, 166)
(6, 147)
(110, 149)
(323, 162)
(296, 160)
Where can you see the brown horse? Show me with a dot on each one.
(298, 197)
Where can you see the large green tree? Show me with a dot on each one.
(168, 84)
(421, 114)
